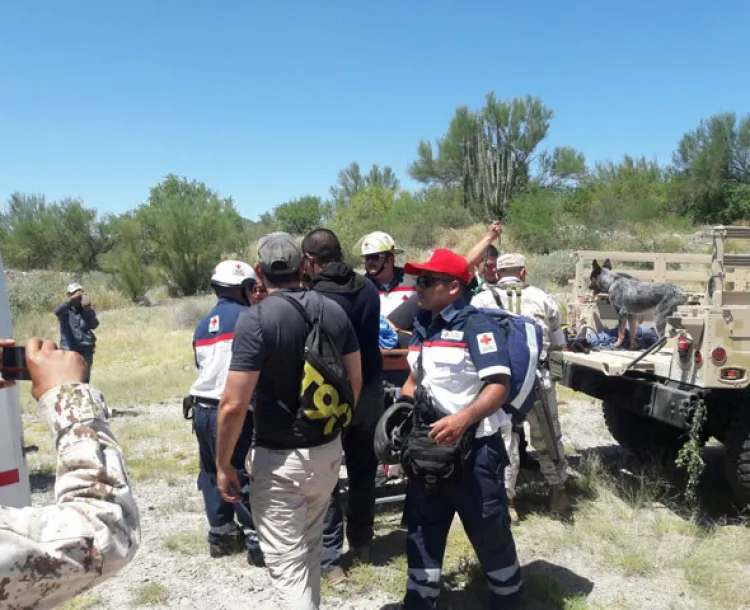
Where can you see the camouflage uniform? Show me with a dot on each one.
(50, 554)
(537, 304)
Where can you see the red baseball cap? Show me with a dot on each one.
(442, 261)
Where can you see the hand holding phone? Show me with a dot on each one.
(14, 364)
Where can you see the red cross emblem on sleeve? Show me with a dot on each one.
(486, 343)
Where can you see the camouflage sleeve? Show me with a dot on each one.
(52, 553)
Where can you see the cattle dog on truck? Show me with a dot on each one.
(630, 297)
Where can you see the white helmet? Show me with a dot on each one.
(377, 242)
(233, 273)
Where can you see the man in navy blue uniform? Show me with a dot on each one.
(466, 374)
(234, 283)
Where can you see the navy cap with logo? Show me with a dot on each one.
(279, 254)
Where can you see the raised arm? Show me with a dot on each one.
(474, 257)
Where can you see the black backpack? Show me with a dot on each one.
(326, 398)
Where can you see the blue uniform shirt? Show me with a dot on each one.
(461, 349)
(212, 343)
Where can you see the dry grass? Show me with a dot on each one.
(186, 543)
(148, 594)
(82, 602)
(140, 357)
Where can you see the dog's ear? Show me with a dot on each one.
(595, 265)
(608, 264)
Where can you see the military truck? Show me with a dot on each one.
(699, 369)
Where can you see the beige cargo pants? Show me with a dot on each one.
(289, 495)
(554, 474)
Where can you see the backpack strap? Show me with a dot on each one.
(300, 308)
(495, 296)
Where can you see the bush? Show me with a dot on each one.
(189, 311)
(553, 270)
(42, 291)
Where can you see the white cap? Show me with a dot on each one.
(232, 273)
(74, 287)
(377, 242)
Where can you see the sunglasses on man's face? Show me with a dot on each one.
(428, 281)
(371, 258)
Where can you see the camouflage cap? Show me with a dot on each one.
(512, 260)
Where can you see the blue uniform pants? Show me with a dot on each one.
(482, 506)
(221, 514)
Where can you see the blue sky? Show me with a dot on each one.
(268, 101)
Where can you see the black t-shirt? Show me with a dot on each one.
(270, 338)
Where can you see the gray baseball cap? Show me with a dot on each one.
(279, 254)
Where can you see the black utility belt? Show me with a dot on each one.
(206, 403)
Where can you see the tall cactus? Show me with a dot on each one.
(497, 149)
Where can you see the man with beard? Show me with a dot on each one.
(330, 276)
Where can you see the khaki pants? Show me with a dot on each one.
(290, 492)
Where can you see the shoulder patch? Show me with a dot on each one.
(452, 335)
(213, 325)
(486, 343)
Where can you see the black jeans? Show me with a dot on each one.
(361, 468)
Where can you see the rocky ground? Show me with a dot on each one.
(563, 567)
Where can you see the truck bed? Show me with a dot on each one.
(614, 362)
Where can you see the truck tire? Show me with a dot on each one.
(737, 445)
(643, 436)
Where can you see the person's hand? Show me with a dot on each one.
(495, 230)
(86, 300)
(50, 367)
(448, 430)
(6, 383)
(228, 483)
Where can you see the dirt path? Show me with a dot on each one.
(565, 567)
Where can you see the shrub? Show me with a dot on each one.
(553, 270)
(42, 291)
(189, 311)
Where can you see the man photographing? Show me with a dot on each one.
(77, 323)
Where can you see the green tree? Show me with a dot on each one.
(130, 259)
(30, 233)
(351, 181)
(190, 229)
(82, 237)
(489, 153)
(300, 215)
(712, 165)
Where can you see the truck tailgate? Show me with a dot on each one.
(614, 362)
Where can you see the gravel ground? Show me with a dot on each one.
(199, 582)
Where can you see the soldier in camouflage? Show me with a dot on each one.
(50, 554)
(513, 294)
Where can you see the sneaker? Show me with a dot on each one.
(255, 558)
(360, 554)
(226, 545)
(335, 576)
